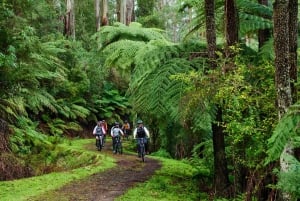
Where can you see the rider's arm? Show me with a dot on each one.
(111, 131)
(134, 133)
(147, 132)
(122, 133)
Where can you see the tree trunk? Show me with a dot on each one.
(221, 179)
(104, 13)
(97, 14)
(211, 31)
(282, 72)
(293, 34)
(70, 20)
(263, 34)
(231, 23)
(129, 11)
(123, 11)
(4, 142)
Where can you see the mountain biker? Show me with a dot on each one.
(115, 133)
(104, 124)
(126, 128)
(141, 132)
(98, 131)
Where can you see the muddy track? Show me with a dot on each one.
(106, 186)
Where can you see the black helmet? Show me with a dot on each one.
(139, 121)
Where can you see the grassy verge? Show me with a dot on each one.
(176, 181)
(23, 189)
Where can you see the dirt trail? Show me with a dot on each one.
(110, 184)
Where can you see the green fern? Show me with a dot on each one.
(286, 130)
(119, 31)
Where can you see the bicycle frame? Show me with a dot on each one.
(141, 143)
(118, 145)
(99, 142)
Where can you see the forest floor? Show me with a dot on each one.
(108, 185)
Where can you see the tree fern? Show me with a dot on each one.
(119, 31)
(286, 131)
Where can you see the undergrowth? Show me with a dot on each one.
(176, 181)
(74, 155)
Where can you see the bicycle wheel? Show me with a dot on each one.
(119, 146)
(142, 151)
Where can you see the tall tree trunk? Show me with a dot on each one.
(293, 34)
(123, 11)
(231, 23)
(97, 14)
(263, 34)
(129, 11)
(282, 72)
(211, 31)
(70, 20)
(221, 179)
(104, 13)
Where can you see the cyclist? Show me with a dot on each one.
(115, 133)
(98, 131)
(105, 128)
(126, 129)
(141, 132)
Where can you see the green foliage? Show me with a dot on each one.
(289, 181)
(253, 16)
(88, 164)
(286, 131)
(26, 139)
(175, 181)
(134, 32)
(161, 153)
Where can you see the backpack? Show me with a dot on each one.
(141, 132)
(115, 131)
(99, 131)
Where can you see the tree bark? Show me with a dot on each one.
(263, 34)
(221, 179)
(129, 11)
(97, 14)
(211, 31)
(70, 20)
(293, 34)
(123, 11)
(231, 23)
(282, 73)
(104, 13)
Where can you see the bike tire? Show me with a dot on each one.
(143, 153)
(100, 143)
(119, 148)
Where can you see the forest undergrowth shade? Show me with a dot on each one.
(23, 189)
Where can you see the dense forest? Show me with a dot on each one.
(215, 81)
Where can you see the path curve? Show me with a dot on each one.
(112, 183)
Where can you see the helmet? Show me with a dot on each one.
(116, 123)
(139, 121)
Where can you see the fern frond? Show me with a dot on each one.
(37, 100)
(250, 23)
(121, 53)
(11, 108)
(286, 130)
(134, 32)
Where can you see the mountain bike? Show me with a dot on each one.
(118, 145)
(141, 148)
(99, 142)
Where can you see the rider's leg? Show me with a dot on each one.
(114, 144)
